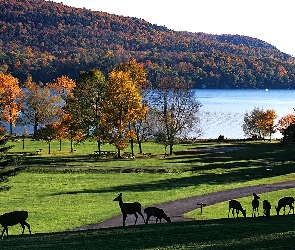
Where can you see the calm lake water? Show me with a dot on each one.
(222, 111)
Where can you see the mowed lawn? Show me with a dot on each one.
(60, 197)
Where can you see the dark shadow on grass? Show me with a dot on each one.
(230, 177)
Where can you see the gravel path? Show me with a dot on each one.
(176, 209)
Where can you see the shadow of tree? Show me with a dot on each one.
(248, 173)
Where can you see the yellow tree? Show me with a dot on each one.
(122, 106)
(10, 99)
(266, 122)
(63, 86)
(138, 76)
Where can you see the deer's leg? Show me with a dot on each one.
(124, 219)
(147, 219)
(4, 229)
(28, 226)
(136, 217)
(23, 226)
(141, 216)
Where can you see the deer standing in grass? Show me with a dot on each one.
(235, 205)
(129, 208)
(156, 212)
(283, 202)
(266, 209)
(13, 218)
(255, 205)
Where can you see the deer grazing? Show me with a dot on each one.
(13, 218)
(129, 208)
(235, 205)
(156, 212)
(283, 202)
(255, 204)
(266, 209)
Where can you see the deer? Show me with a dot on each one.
(255, 204)
(13, 218)
(129, 208)
(156, 212)
(283, 202)
(266, 209)
(235, 205)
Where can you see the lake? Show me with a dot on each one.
(223, 110)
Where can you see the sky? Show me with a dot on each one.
(269, 20)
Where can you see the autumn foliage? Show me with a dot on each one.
(45, 39)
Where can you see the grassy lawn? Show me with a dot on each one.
(65, 190)
(247, 233)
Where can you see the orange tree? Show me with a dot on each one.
(122, 105)
(285, 121)
(266, 122)
(10, 99)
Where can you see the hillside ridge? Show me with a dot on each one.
(47, 39)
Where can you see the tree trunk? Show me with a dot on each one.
(10, 127)
(71, 146)
(140, 147)
(99, 147)
(171, 149)
(49, 147)
(60, 145)
(132, 147)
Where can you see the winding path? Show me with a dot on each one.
(176, 209)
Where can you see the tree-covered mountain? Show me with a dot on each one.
(46, 40)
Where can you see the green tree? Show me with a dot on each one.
(84, 104)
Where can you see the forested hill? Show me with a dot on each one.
(47, 40)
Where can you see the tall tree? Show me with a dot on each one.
(84, 104)
(10, 99)
(138, 76)
(41, 106)
(177, 108)
(123, 106)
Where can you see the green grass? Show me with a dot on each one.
(63, 191)
(243, 233)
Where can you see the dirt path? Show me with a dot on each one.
(176, 209)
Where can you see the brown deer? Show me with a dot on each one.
(13, 218)
(235, 205)
(266, 209)
(255, 205)
(156, 212)
(283, 202)
(129, 208)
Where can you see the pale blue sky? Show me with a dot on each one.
(269, 20)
